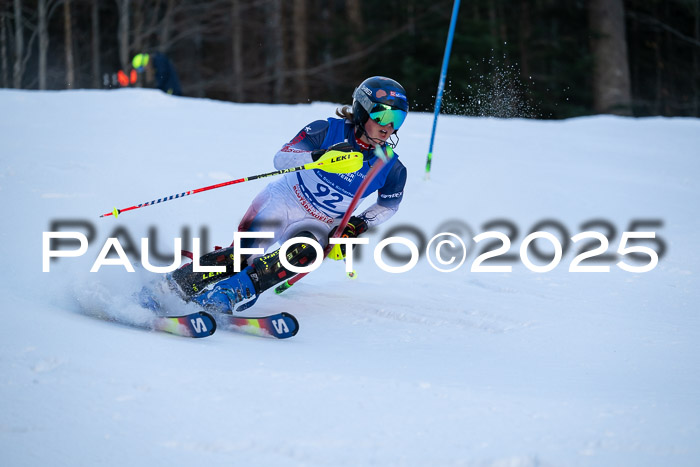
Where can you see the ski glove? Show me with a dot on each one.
(341, 147)
(356, 227)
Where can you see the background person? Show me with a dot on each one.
(157, 68)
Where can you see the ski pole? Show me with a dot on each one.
(441, 84)
(331, 161)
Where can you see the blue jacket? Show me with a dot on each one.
(166, 77)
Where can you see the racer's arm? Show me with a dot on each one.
(388, 197)
(298, 151)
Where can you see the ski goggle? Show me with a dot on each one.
(385, 114)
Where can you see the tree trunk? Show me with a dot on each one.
(237, 50)
(493, 25)
(476, 11)
(95, 19)
(137, 33)
(123, 35)
(68, 30)
(353, 9)
(611, 78)
(19, 46)
(3, 52)
(276, 48)
(636, 88)
(696, 67)
(166, 27)
(669, 54)
(43, 41)
(325, 29)
(301, 49)
(502, 32)
(196, 62)
(137, 36)
(659, 85)
(524, 39)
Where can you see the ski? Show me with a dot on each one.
(203, 324)
(199, 324)
(279, 326)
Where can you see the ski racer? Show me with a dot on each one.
(310, 203)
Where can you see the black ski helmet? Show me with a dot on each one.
(374, 95)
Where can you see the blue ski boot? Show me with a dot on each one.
(190, 283)
(229, 292)
(235, 293)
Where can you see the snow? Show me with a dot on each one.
(420, 368)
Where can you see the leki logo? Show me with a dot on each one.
(210, 275)
(340, 158)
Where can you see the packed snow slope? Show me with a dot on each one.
(515, 368)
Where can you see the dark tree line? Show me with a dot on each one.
(530, 58)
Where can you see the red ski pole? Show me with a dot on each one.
(332, 161)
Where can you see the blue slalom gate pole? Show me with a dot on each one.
(441, 85)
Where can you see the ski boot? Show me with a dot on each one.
(240, 291)
(235, 293)
(189, 283)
